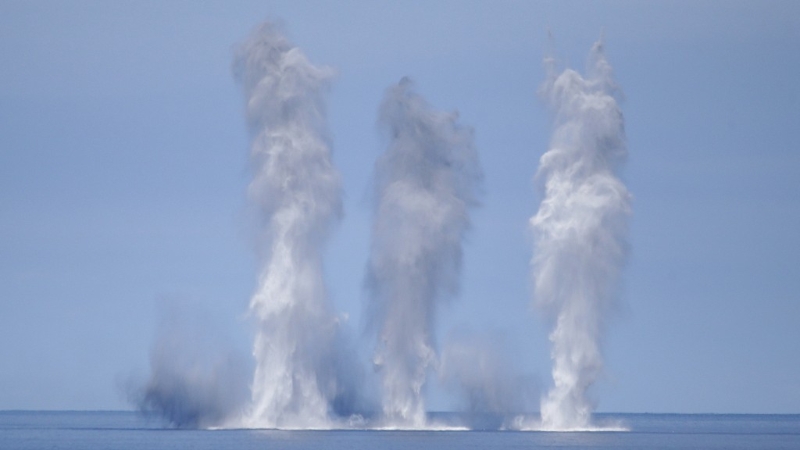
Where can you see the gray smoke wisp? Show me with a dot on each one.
(480, 369)
(580, 232)
(425, 184)
(197, 379)
(296, 195)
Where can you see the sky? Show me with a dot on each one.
(123, 175)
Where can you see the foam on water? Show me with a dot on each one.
(524, 423)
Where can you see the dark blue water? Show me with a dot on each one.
(125, 430)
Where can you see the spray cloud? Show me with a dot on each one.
(580, 231)
(425, 184)
(296, 194)
(478, 367)
(197, 377)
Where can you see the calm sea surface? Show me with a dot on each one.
(126, 430)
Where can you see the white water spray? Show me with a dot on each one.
(580, 232)
(425, 184)
(296, 194)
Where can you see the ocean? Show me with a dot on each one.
(20, 430)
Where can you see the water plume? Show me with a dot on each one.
(296, 195)
(425, 184)
(580, 231)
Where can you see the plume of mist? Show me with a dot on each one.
(485, 378)
(580, 231)
(197, 378)
(296, 195)
(425, 184)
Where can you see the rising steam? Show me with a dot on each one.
(296, 195)
(580, 231)
(425, 184)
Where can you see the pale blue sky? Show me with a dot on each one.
(123, 171)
